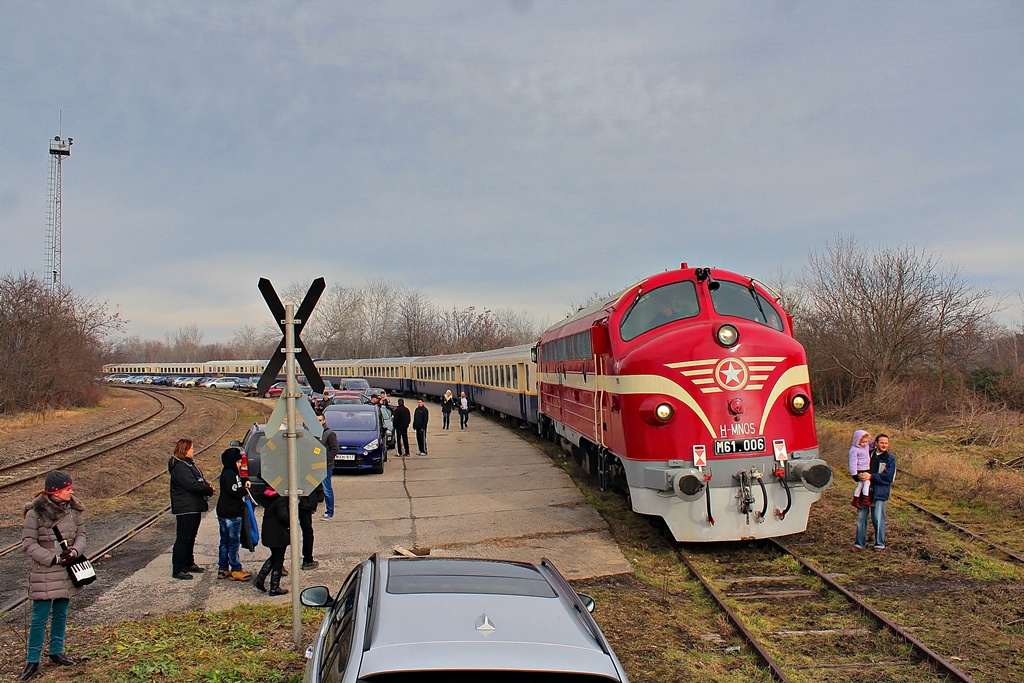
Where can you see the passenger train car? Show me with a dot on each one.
(687, 392)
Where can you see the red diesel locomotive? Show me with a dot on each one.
(688, 393)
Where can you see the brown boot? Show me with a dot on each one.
(856, 502)
(866, 501)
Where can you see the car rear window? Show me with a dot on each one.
(345, 421)
(489, 676)
(460, 576)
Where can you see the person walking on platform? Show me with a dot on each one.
(274, 534)
(230, 509)
(330, 441)
(49, 586)
(401, 420)
(419, 423)
(447, 406)
(463, 411)
(189, 500)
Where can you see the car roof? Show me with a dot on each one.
(484, 614)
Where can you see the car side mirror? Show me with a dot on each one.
(235, 444)
(316, 596)
(587, 601)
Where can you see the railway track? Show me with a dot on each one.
(831, 633)
(36, 467)
(96, 556)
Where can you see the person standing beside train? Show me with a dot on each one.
(49, 586)
(190, 494)
(447, 406)
(419, 422)
(881, 473)
(463, 411)
(401, 421)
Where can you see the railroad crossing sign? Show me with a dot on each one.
(302, 356)
(310, 457)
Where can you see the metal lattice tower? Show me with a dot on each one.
(58, 150)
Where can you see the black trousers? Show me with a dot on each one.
(421, 440)
(306, 524)
(277, 558)
(183, 552)
(402, 437)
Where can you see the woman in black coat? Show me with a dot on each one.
(189, 495)
(276, 535)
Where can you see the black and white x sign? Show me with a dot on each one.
(269, 375)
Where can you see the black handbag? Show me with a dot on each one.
(81, 572)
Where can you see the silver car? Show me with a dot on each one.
(428, 619)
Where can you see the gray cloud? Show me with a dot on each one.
(522, 154)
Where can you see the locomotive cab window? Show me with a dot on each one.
(743, 301)
(658, 307)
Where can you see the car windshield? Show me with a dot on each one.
(743, 301)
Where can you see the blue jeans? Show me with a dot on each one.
(58, 626)
(878, 520)
(329, 493)
(230, 540)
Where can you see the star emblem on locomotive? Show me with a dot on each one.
(731, 373)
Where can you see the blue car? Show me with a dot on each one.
(362, 437)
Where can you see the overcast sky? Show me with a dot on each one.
(519, 154)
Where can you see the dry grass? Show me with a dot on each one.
(944, 461)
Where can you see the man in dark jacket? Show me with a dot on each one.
(230, 509)
(401, 420)
(330, 441)
(882, 472)
(419, 423)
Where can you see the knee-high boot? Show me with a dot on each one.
(275, 584)
(261, 577)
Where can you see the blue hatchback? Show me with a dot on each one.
(361, 437)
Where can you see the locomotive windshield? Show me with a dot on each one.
(743, 301)
(658, 307)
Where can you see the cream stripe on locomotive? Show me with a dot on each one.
(656, 384)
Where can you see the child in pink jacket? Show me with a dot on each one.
(860, 461)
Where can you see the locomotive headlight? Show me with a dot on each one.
(728, 335)
(657, 410)
(799, 402)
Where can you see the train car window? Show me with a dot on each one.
(738, 301)
(658, 307)
(515, 377)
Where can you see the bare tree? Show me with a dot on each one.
(884, 315)
(50, 345)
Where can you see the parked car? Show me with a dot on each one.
(191, 382)
(339, 397)
(362, 438)
(353, 384)
(433, 619)
(276, 390)
(222, 383)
